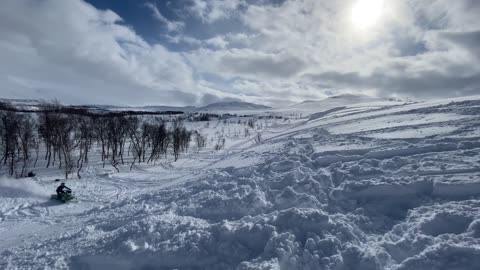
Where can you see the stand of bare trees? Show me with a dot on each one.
(181, 138)
(68, 139)
(117, 130)
(159, 139)
(17, 140)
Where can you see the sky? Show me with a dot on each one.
(271, 52)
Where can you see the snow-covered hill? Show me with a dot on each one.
(382, 185)
(340, 102)
(232, 106)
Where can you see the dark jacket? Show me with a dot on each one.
(63, 189)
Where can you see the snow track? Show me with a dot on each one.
(350, 188)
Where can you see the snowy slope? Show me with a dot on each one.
(392, 186)
(232, 106)
(355, 103)
(340, 100)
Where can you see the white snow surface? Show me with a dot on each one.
(392, 186)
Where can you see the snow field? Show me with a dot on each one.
(307, 197)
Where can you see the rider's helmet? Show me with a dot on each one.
(62, 184)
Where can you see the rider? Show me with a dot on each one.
(62, 189)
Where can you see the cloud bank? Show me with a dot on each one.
(270, 52)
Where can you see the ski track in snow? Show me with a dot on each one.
(343, 188)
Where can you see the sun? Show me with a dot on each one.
(367, 13)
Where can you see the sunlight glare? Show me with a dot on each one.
(366, 13)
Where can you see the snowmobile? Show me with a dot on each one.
(64, 197)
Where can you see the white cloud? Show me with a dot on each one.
(171, 25)
(293, 41)
(70, 50)
(179, 39)
(211, 11)
(246, 63)
(253, 50)
(217, 42)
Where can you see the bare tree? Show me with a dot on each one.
(251, 123)
(186, 138)
(220, 143)
(176, 133)
(246, 132)
(100, 129)
(157, 134)
(84, 136)
(118, 129)
(200, 140)
(138, 138)
(67, 142)
(47, 127)
(10, 129)
(258, 137)
(26, 140)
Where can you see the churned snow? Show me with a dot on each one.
(395, 186)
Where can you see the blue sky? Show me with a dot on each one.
(272, 52)
(135, 14)
(139, 15)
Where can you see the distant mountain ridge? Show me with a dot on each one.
(344, 99)
(349, 97)
(33, 104)
(232, 105)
